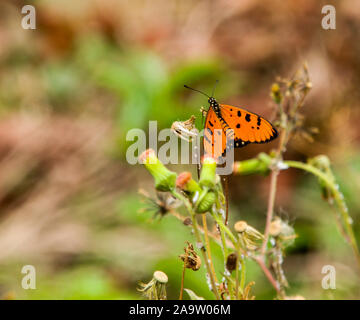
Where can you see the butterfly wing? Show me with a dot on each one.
(248, 127)
(214, 136)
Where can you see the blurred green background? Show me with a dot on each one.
(92, 70)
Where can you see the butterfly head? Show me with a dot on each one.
(213, 104)
(212, 101)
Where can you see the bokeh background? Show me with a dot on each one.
(92, 70)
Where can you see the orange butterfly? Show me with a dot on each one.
(228, 126)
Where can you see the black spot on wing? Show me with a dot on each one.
(248, 117)
(258, 120)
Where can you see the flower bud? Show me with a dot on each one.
(185, 182)
(164, 178)
(259, 165)
(276, 93)
(208, 173)
(206, 203)
(322, 163)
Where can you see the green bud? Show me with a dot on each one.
(206, 203)
(208, 173)
(164, 178)
(259, 165)
(276, 93)
(185, 182)
(322, 163)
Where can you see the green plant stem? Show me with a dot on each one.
(239, 279)
(199, 240)
(225, 229)
(243, 273)
(223, 239)
(338, 197)
(208, 249)
(237, 276)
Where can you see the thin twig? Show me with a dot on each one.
(268, 274)
(273, 184)
(183, 276)
(270, 209)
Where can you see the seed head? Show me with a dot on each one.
(191, 258)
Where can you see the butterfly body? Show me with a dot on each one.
(228, 127)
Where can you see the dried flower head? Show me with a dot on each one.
(191, 258)
(250, 237)
(156, 288)
(161, 205)
(185, 129)
(282, 231)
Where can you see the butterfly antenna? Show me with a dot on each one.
(213, 91)
(187, 87)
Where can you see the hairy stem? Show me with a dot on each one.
(339, 200)
(273, 184)
(270, 209)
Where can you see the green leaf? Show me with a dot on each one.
(192, 295)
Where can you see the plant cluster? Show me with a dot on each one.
(204, 201)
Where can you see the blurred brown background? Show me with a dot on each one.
(92, 70)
